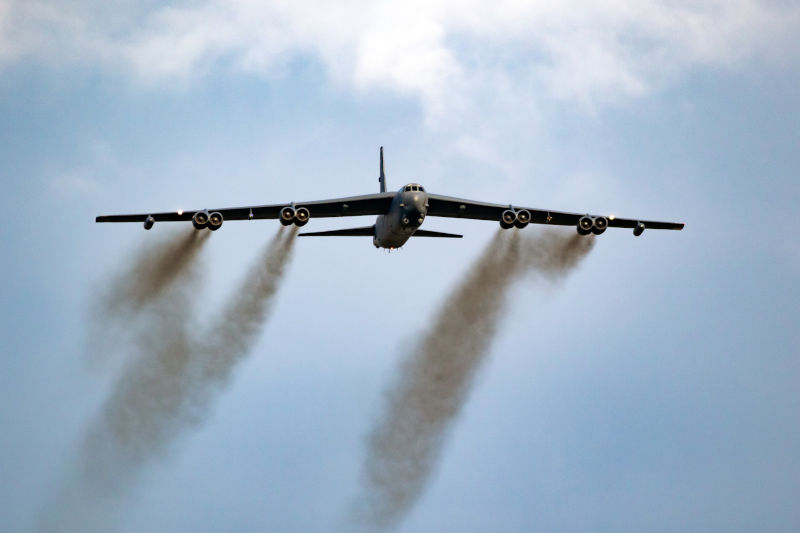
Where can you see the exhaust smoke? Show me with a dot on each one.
(165, 390)
(434, 381)
(132, 419)
(232, 336)
(170, 385)
(150, 274)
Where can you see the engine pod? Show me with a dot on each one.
(200, 220)
(507, 219)
(585, 225)
(600, 225)
(301, 216)
(214, 221)
(523, 218)
(638, 229)
(149, 221)
(287, 215)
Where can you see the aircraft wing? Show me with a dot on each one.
(445, 206)
(368, 204)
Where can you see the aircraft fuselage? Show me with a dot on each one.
(406, 214)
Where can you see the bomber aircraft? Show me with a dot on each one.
(400, 215)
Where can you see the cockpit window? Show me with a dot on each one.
(421, 189)
(408, 188)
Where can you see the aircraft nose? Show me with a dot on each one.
(418, 209)
(413, 216)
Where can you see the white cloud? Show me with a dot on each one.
(590, 52)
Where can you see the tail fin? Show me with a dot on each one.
(382, 177)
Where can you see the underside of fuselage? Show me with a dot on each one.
(406, 214)
(402, 220)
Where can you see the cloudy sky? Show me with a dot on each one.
(655, 388)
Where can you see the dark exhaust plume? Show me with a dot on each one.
(234, 332)
(151, 271)
(553, 255)
(434, 381)
(149, 386)
(165, 390)
(147, 276)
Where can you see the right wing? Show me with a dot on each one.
(368, 204)
(445, 206)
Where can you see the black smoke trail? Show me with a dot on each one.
(147, 276)
(165, 390)
(435, 379)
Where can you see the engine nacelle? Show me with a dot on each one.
(214, 221)
(507, 219)
(585, 225)
(301, 216)
(148, 222)
(287, 216)
(600, 225)
(200, 220)
(523, 218)
(638, 229)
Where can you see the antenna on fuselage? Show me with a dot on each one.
(382, 177)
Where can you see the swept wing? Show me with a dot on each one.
(368, 204)
(446, 206)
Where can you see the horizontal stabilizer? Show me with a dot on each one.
(366, 231)
(426, 233)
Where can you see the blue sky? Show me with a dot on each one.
(653, 389)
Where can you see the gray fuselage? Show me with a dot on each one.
(406, 214)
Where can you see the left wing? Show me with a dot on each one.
(445, 206)
(368, 204)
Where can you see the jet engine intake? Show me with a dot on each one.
(200, 220)
(287, 216)
(148, 222)
(523, 218)
(214, 221)
(507, 219)
(301, 216)
(585, 225)
(600, 225)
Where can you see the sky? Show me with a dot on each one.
(653, 388)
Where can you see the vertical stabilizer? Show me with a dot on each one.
(382, 178)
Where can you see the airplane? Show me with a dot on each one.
(400, 215)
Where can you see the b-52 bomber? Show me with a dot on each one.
(400, 215)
